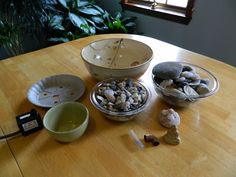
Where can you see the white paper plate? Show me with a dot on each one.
(56, 89)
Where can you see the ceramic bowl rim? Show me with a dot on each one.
(72, 130)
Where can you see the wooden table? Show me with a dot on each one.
(207, 129)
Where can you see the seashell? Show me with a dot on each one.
(180, 89)
(118, 102)
(166, 83)
(125, 106)
(175, 92)
(100, 98)
(110, 106)
(127, 93)
(189, 91)
(131, 100)
(188, 68)
(122, 85)
(133, 90)
(143, 95)
(202, 89)
(180, 79)
(102, 101)
(190, 75)
(109, 94)
(129, 82)
(172, 136)
(123, 97)
(169, 118)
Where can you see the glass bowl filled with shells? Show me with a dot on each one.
(120, 99)
(181, 84)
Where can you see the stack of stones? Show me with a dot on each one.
(180, 80)
(121, 95)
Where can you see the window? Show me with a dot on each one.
(174, 10)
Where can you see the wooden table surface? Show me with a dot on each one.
(207, 128)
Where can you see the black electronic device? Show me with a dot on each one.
(29, 122)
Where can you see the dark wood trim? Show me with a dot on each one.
(189, 9)
(179, 16)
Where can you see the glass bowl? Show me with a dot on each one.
(116, 109)
(186, 93)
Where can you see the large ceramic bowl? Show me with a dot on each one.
(116, 57)
(67, 121)
(120, 99)
(193, 84)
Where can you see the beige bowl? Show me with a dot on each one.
(116, 58)
(66, 121)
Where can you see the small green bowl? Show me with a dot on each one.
(67, 121)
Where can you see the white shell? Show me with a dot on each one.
(188, 90)
(169, 118)
(56, 89)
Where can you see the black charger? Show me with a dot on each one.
(29, 122)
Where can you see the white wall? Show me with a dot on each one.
(211, 31)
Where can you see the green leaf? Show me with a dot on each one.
(56, 22)
(83, 3)
(63, 3)
(130, 25)
(98, 8)
(118, 15)
(94, 25)
(78, 21)
(76, 3)
(90, 11)
(92, 30)
(58, 39)
(56, 19)
(97, 19)
(128, 19)
(85, 28)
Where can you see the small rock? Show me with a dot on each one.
(188, 68)
(166, 83)
(152, 139)
(172, 136)
(205, 81)
(109, 94)
(175, 93)
(169, 118)
(167, 70)
(202, 89)
(188, 90)
(190, 75)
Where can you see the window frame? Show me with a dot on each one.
(168, 12)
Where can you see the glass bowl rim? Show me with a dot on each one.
(118, 113)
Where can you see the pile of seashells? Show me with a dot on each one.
(180, 80)
(121, 95)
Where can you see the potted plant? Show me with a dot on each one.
(21, 22)
(72, 19)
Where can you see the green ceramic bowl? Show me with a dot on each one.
(67, 121)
